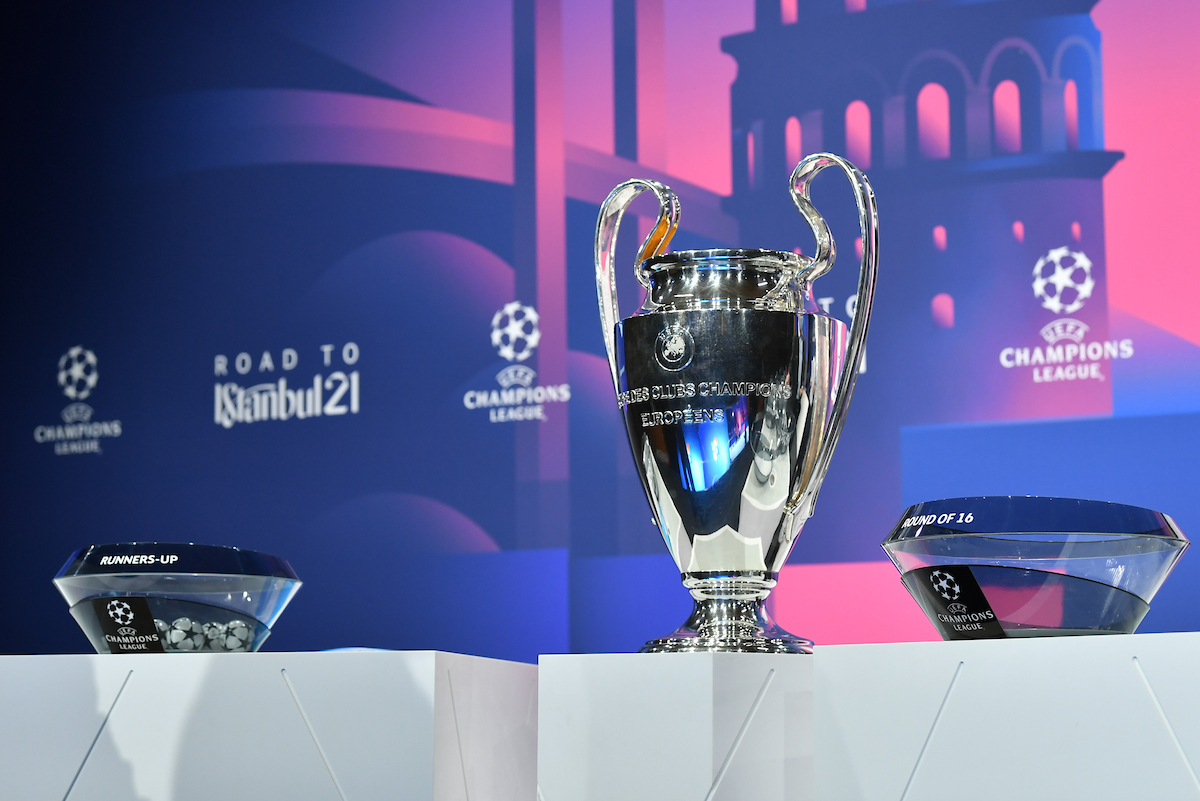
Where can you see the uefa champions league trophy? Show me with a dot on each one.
(734, 386)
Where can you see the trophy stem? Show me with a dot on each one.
(732, 621)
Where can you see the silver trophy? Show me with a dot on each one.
(734, 387)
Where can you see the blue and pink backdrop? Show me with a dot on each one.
(316, 278)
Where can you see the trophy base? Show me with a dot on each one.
(729, 626)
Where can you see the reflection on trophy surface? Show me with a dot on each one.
(734, 386)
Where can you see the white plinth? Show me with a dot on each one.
(1114, 717)
(348, 725)
(701, 727)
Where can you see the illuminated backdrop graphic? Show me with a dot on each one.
(333, 267)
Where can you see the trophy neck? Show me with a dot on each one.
(729, 615)
(735, 585)
(728, 625)
(766, 280)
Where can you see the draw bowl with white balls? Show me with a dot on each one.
(161, 597)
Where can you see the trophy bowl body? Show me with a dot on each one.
(726, 390)
(733, 385)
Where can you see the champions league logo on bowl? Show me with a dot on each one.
(1062, 284)
(945, 585)
(120, 612)
(78, 376)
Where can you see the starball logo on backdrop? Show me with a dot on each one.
(78, 377)
(515, 335)
(1063, 284)
(324, 395)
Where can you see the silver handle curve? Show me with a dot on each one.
(868, 220)
(607, 226)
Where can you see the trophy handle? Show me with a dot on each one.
(868, 220)
(611, 212)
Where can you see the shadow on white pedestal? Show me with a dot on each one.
(337, 726)
(1106, 717)
(702, 727)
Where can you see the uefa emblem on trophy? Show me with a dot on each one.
(734, 386)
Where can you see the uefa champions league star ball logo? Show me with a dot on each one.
(945, 585)
(515, 331)
(674, 348)
(1062, 280)
(120, 612)
(77, 373)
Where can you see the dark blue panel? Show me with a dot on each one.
(618, 603)
(1164, 375)
(507, 605)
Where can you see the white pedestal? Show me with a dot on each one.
(1114, 717)
(343, 725)
(700, 727)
